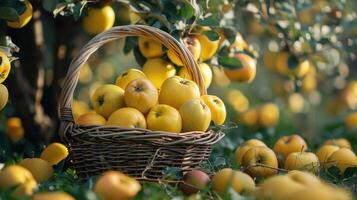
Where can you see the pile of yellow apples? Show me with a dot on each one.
(136, 102)
(294, 179)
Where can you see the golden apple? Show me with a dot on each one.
(205, 71)
(40, 169)
(208, 47)
(242, 149)
(340, 142)
(14, 129)
(227, 177)
(164, 118)
(127, 118)
(304, 161)
(268, 115)
(5, 66)
(305, 178)
(239, 43)
(289, 144)
(141, 94)
(238, 100)
(114, 185)
(278, 188)
(150, 48)
(325, 152)
(249, 117)
(244, 74)
(175, 91)
(126, 77)
(91, 118)
(24, 17)
(260, 161)
(98, 19)
(52, 196)
(321, 191)
(343, 158)
(217, 108)
(158, 70)
(192, 44)
(4, 96)
(79, 108)
(16, 175)
(196, 115)
(54, 153)
(107, 99)
(282, 67)
(351, 121)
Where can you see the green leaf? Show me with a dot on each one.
(230, 34)
(140, 59)
(212, 35)
(8, 13)
(293, 62)
(209, 21)
(49, 5)
(173, 173)
(186, 11)
(78, 10)
(230, 62)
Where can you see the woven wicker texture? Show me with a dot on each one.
(141, 153)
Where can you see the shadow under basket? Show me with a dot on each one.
(140, 153)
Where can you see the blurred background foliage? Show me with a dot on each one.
(317, 100)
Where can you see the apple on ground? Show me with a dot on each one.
(193, 182)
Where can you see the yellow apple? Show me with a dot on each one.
(244, 74)
(16, 175)
(343, 158)
(79, 108)
(196, 115)
(351, 121)
(289, 144)
(260, 161)
(305, 178)
(278, 188)
(90, 118)
(14, 129)
(5, 66)
(40, 169)
(150, 48)
(54, 153)
(52, 196)
(268, 115)
(107, 99)
(242, 149)
(126, 77)
(217, 108)
(325, 152)
(127, 118)
(304, 161)
(239, 43)
(227, 177)
(98, 19)
(249, 117)
(158, 70)
(340, 142)
(175, 91)
(208, 47)
(282, 67)
(114, 185)
(4, 96)
(192, 44)
(141, 94)
(164, 118)
(321, 191)
(205, 71)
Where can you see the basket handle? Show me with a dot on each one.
(71, 79)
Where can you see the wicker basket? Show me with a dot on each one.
(141, 153)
